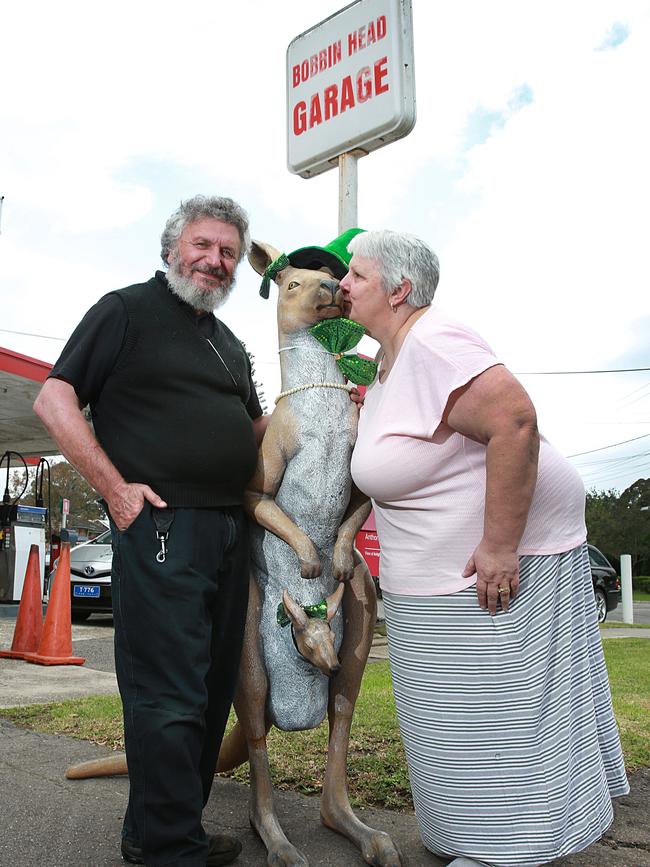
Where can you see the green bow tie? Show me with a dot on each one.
(319, 611)
(339, 336)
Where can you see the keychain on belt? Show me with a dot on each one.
(163, 519)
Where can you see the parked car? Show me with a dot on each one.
(90, 577)
(607, 584)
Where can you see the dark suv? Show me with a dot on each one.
(607, 585)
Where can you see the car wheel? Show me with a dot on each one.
(601, 606)
(80, 616)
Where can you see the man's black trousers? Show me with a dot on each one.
(178, 633)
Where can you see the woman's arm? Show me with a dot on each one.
(495, 410)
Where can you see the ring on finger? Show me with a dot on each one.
(503, 590)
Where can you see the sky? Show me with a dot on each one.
(527, 171)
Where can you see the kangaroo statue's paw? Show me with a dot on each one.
(379, 850)
(376, 847)
(286, 855)
(279, 851)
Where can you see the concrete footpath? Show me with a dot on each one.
(46, 819)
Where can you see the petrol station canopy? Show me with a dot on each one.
(21, 430)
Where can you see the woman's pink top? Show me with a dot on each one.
(427, 482)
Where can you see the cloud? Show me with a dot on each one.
(617, 34)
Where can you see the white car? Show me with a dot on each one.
(90, 577)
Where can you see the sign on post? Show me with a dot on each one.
(350, 84)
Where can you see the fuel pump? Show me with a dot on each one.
(20, 527)
(52, 541)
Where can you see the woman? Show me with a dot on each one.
(504, 706)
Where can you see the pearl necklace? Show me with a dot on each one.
(313, 385)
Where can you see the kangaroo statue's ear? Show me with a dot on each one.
(295, 612)
(261, 257)
(334, 601)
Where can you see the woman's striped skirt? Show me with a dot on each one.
(512, 748)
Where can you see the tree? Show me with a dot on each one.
(634, 504)
(66, 483)
(621, 524)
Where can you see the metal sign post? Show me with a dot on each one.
(348, 186)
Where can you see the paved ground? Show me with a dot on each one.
(640, 612)
(47, 819)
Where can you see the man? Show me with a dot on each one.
(176, 427)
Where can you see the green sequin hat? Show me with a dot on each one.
(334, 255)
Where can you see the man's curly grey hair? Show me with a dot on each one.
(398, 255)
(198, 208)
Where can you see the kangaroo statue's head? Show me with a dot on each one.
(306, 296)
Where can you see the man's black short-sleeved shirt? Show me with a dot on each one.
(92, 350)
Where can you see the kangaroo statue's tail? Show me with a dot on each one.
(111, 766)
(233, 752)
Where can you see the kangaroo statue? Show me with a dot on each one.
(306, 518)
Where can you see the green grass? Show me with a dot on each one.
(616, 624)
(376, 766)
(639, 595)
(97, 718)
(377, 773)
(628, 664)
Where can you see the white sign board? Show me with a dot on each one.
(350, 84)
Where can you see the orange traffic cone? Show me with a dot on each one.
(56, 645)
(29, 623)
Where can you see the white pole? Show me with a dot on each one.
(2, 198)
(348, 185)
(626, 588)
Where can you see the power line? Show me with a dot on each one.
(29, 334)
(602, 448)
(609, 423)
(629, 400)
(576, 372)
(600, 461)
(612, 473)
(634, 391)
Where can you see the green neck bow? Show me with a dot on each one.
(339, 336)
(319, 611)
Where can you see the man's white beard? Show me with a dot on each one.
(188, 291)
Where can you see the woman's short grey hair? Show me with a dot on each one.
(398, 255)
(198, 208)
